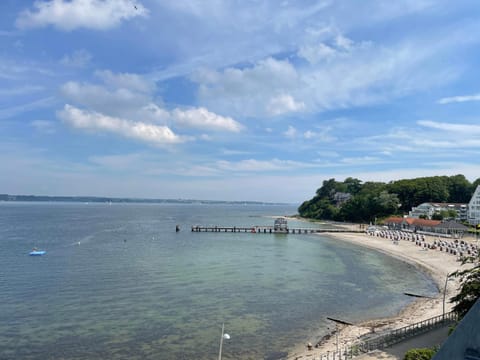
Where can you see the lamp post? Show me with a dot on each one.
(447, 278)
(224, 336)
(477, 227)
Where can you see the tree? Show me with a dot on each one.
(437, 216)
(475, 184)
(419, 354)
(328, 189)
(459, 189)
(372, 200)
(353, 186)
(469, 287)
(385, 204)
(444, 214)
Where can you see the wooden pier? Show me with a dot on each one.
(268, 230)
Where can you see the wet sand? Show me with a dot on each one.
(436, 263)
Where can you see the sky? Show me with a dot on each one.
(235, 100)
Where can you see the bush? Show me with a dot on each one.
(419, 354)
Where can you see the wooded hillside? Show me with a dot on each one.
(353, 200)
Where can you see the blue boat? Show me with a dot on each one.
(36, 252)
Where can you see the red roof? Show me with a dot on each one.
(425, 222)
(393, 219)
(411, 221)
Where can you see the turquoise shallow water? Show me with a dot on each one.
(135, 289)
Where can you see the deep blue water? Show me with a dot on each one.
(118, 282)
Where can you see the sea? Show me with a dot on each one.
(118, 282)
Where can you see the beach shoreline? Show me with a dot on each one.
(436, 264)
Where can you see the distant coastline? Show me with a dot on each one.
(95, 199)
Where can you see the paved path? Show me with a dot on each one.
(397, 351)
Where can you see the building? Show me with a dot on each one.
(464, 342)
(341, 198)
(473, 216)
(448, 228)
(411, 224)
(427, 210)
(280, 225)
(423, 210)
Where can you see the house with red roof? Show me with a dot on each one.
(411, 224)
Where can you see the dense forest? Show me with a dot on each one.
(352, 200)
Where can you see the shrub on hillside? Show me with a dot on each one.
(419, 354)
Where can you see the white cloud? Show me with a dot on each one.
(343, 42)
(466, 129)
(119, 162)
(339, 46)
(316, 53)
(94, 121)
(322, 136)
(74, 14)
(429, 138)
(358, 74)
(204, 119)
(229, 152)
(44, 126)
(253, 165)
(153, 112)
(130, 96)
(79, 58)
(133, 82)
(119, 102)
(364, 160)
(291, 132)
(459, 99)
(126, 97)
(249, 91)
(284, 103)
(12, 111)
(309, 134)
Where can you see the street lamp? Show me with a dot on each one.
(447, 278)
(224, 336)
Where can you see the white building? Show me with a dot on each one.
(474, 208)
(427, 210)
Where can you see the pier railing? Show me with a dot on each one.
(268, 230)
(386, 340)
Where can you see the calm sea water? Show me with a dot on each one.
(119, 283)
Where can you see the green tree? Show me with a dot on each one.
(419, 354)
(459, 189)
(353, 186)
(405, 190)
(385, 204)
(469, 287)
(438, 215)
(354, 210)
(375, 199)
(328, 189)
(475, 184)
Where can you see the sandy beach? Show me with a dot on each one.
(436, 263)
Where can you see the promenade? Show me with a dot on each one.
(438, 264)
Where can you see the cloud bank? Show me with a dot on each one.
(89, 120)
(70, 15)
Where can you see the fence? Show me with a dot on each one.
(389, 339)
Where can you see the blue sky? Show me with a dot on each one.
(235, 100)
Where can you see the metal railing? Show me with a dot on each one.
(388, 339)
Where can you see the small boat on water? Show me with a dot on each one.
(36, 252)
